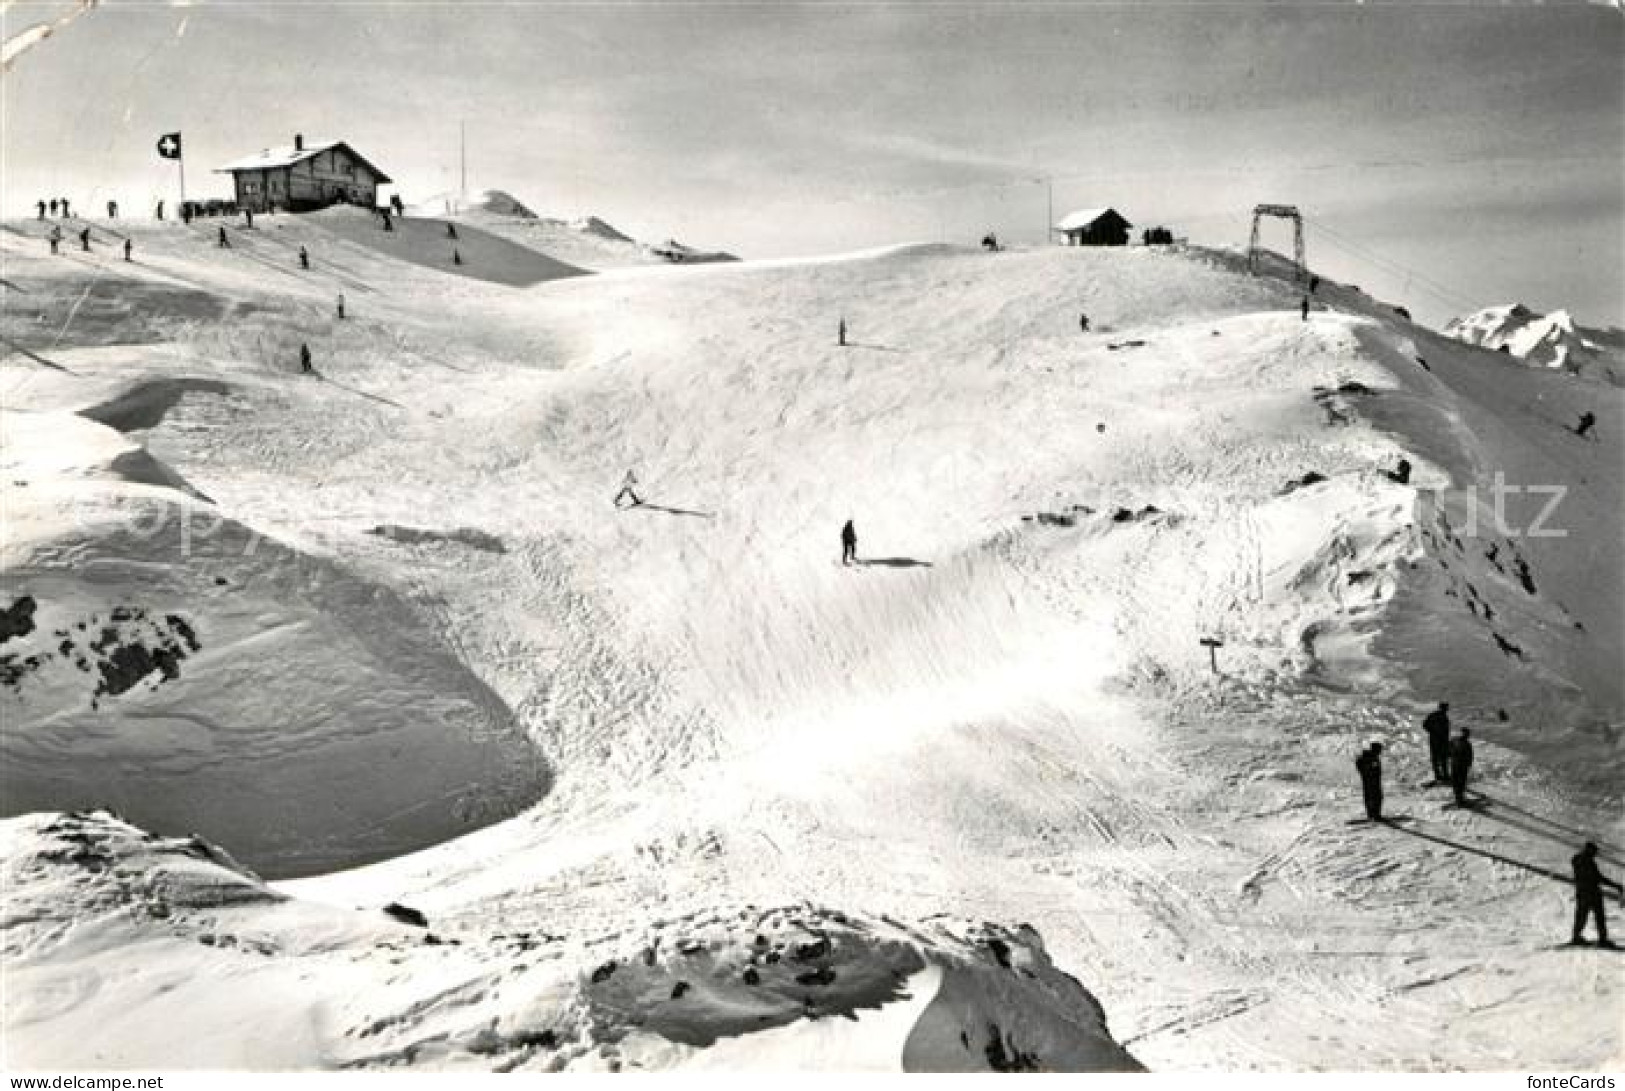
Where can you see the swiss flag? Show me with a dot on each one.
(169, 145)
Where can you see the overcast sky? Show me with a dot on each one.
(1449, 156)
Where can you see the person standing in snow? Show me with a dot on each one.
(451, 230)
(84, 240)
(248, 217)
(341, 306)
(304, 359)
(849, 543)
(65, 212)
(456, 257)
(160, 210)
(1588, 884)
(1461, 763)
(55, 238)
(1369, 765)
(1437, 726)
(1587, 420)
(628, 489)
(128, 246)
(840, 332)
(1304, 308)
(41, 206)
(304, 258)
(53, 207)
(112, 210)
(224, 243)
(1083, 323)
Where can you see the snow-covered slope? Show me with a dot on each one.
(1543, 340)
(1005, 713)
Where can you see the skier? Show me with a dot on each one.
(1588, 884)
(1304, 308)
(112, 210)
(1083, 323)
(128, 246)
(84, 240)
(1461, 763)
(840, 332)
(304, 359)
(1369, 765)
(160, 210)
(224, 242)
(341, 306)
(628, 488)
(41, 205)
(53, 206)
(304, 258)
(1587, 420)
(1437, 725)
(55, 237)
(849, 544)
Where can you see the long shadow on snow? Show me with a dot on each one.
(646, 506)
(1532, 823)
(1497, 857)
(894, 562)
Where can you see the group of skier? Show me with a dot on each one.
(1452, 762)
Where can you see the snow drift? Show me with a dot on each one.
(256, 979)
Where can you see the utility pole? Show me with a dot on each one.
(1049, 208)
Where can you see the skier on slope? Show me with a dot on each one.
(1437, 726)
(1369, 765)
(849, 544)
(1461, 763)
(1588, 884)
(628, 489)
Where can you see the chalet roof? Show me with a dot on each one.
(1088, 217)
(288, 155)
